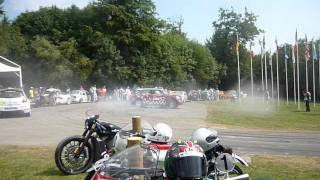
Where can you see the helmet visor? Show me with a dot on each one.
(190, 167)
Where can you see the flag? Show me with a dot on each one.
(296, 36)
(270, 58)
(264, 43)
(285, 53)
(237, 44)
(314, 52)
(307, 51)
(293, 56)
(319, 53)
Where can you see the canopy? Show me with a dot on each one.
(8, 68)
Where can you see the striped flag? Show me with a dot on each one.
(314, 52)
(293, 56)
(270, 58)
(307, 50)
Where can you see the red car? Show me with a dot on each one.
(155, 97)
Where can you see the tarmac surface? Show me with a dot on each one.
(48, 125)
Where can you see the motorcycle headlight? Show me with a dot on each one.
(86, 124)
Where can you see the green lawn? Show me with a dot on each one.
(284, 168)
(25, 162)
(252, 113)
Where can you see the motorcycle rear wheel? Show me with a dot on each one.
(65, 157)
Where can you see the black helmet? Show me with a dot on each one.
(185, 160)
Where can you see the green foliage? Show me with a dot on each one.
(107, 42)
(223, 43)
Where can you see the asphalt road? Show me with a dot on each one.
(48, 125)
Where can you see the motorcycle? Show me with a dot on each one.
(149, 138)
(76, 154)
(134, 162)
(223, 164)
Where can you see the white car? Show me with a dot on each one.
(60, 97)
(14, 100)
(79, 96)
(182, 94)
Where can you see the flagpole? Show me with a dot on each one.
(286, 69)
(277, 58)
(265, 68)
(313, 77)
(307, 85)
(261, 62)
(251, 70)
(238, 68)
(271, 74)
(294, 76)
(277, 71)
(314, 85)
(298, 74)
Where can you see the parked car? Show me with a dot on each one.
(232, 95)
(54, 96)
(194, 95)
(155, 97)
(182, 94)
(79, 96)
(63, 98)
(14, 100)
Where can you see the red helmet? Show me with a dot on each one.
(185, 160)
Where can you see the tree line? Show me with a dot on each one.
(124, 43)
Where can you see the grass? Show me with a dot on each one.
(284, 167)
(25, 162)
(252, 113)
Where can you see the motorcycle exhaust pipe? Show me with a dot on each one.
(241, 177)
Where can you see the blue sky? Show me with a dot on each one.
(277, 17)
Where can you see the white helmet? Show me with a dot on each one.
(163, 133)
(206, 138)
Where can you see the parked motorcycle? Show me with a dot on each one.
(222, 162)
(132, 163)
(157, 137)
(76, 154)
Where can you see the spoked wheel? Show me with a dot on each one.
(68, 161)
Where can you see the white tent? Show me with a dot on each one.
(15, 68)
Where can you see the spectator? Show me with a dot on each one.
(307, 99)
(31, 93)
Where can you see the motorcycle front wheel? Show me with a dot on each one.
(66, 159)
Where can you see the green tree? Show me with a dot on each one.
(223, 43)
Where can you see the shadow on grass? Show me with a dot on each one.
(52, 171)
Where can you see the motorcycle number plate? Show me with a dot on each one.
(225, 162)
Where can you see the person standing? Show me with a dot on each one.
(104, 92)
(307, 99)
(31, 93)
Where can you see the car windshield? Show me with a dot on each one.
(10, 94)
